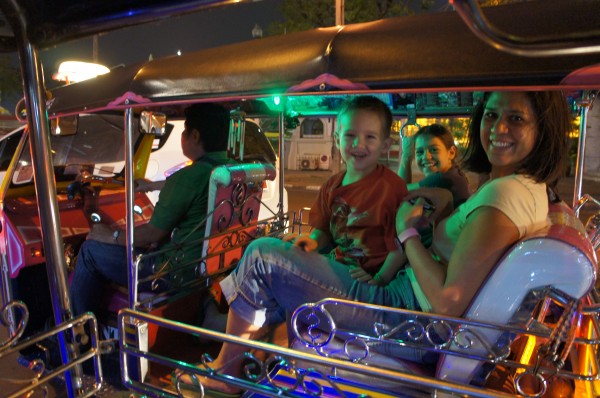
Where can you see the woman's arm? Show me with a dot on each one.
(486, 236)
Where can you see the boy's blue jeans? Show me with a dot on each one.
(274, 277)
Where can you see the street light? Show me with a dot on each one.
(76, 71)
(257, 31)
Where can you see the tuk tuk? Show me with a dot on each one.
(416, 56)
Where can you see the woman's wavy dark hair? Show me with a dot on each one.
(549, 158)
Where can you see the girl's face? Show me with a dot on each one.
(508, 131)
(432, 155)
(361, 141)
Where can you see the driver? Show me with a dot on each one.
(181, 207)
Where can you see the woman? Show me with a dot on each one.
(435, 152)
(519, 138)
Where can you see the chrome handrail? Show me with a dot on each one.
(570, 44)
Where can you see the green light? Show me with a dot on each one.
(277, 100)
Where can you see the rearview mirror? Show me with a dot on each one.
(153, 123)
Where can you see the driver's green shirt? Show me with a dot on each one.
(181, 207)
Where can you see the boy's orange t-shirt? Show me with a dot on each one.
(361, 217)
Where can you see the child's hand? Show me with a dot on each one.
(305, 242)
(363, 276)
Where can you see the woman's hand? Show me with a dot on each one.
(441, 199)
(410, 215)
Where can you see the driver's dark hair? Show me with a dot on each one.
(549, 158)
(212, 121)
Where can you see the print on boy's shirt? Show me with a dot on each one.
(350, 249)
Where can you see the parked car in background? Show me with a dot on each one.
(166, 158)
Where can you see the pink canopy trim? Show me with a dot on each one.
(128, 98)
(587, 76)
(324, 80)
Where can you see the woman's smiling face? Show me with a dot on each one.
(508, 131)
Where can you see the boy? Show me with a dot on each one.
(356, 208)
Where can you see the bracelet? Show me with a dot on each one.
(378, 279)
(406, 235)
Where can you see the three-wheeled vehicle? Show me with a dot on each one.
(542, 331)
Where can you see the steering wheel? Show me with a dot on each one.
(84, 179)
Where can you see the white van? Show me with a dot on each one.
(167, 158)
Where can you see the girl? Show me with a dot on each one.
(435, 153)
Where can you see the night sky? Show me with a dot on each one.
(210, 28)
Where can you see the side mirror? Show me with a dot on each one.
(64, 125)
(153, 123)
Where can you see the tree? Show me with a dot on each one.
(309, 14)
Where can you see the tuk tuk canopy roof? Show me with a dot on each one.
(418, 53)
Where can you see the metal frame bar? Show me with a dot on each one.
(471, 13)
(284, 354)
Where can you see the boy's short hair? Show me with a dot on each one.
(369, 103)
(212, 121)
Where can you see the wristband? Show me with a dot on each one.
(378, 279)
(406, 235)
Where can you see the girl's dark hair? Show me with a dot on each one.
(548, 160)
(369, 103)
(438, 131)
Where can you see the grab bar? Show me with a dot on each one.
(570, 44)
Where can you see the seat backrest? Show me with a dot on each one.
(560, 257)
(234, 200)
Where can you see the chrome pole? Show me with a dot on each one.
(41, 155)
(281, 153)
(584, 107)
(132, 276)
